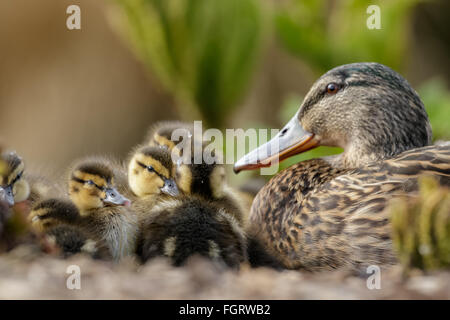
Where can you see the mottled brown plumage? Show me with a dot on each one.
(320, 217)
(329, 213)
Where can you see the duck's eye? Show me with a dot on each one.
(332, 88)
(90, 183)
(150, 169)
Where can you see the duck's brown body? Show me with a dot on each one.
(316, 216)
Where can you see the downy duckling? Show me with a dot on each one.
(15, 186)
(150, 177)
(104, 212)
(204, 179)
(20, 186)
(181, 226)
(56, 221)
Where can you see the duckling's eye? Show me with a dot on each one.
(150, 169)
(332, 88)
(90, 183)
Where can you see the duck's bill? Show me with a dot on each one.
(291, 140)
(170, 188)
(6, 195)
(114, 197)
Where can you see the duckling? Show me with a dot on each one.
(150, 177)
(179, 226)
(330, 213)
(204, 179)
(56, 221)
(15, 187)
(104, 212)
(150, 173)
(20, 185)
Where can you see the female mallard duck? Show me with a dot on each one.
(332, 212)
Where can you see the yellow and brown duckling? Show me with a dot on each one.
(15, 187)
(104, 212)
(151, 172)
(19, 185)
(180, 225)
(150, 178)
(328, 213)
(206, 178)
(56, 222)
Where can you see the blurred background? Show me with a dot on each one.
(233, 63)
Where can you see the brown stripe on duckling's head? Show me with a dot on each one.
(97, 169)
(159, 158)
(367, 109)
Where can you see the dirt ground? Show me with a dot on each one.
(25, 274)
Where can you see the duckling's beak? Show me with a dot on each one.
(114, 197)
(6, 195)
(170, 188)
(291, 140)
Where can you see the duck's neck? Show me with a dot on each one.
(360, 153)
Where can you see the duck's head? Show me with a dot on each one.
(151, 172)
(52, 212)
(367, 109)
(91, 186)
(14, 186)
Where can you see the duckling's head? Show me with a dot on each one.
(151, 171)
(207, 180)
(367, 109)
(91, 186)
(52, 212)
(163, 134)
(14, 185)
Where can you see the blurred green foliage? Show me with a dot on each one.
(436, 99)
(203, 51)
(328, 33)
(421, 227)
